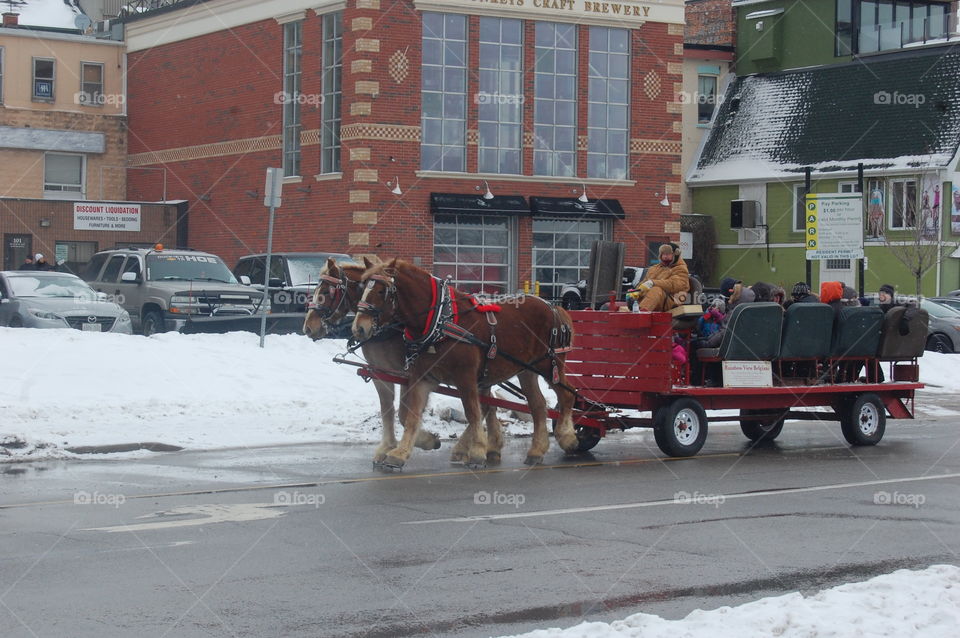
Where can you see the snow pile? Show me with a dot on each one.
(905, 603)
(47, 13)
(69, 388)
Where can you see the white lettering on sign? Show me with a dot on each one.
(104, 216)
(747, 374)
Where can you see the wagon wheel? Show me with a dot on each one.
(863, 420)
(761, 429)
(680, 427)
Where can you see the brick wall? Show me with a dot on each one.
(105, 179)
(220, 87)
(710, 22)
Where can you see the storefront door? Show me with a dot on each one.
(16, 247)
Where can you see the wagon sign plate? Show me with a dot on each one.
(747, 374)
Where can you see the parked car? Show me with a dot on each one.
(944, 331)
(572, 294)
(167, 289)
(293, 276)
(950, 302)
(37, 299)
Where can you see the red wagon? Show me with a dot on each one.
(622, 364)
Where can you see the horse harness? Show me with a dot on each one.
(443, 322)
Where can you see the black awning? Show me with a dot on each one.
(570, 207)
(448, 203)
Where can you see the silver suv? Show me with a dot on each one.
(166, 289)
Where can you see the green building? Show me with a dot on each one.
(826, 86)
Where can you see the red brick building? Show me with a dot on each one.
(393, 120)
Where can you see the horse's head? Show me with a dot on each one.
(378, 305)
(335, 296)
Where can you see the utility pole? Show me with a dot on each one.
(272, 191)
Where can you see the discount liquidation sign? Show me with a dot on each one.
(834, 226)
(102, 216)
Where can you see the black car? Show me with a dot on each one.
(293, 278)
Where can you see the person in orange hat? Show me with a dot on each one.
(664, 280)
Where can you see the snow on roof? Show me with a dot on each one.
(893, 113)
(58, 14)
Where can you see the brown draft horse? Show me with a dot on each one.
(469, 345)
(336, 295)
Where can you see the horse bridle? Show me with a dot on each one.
(367, 308)
(338, 288)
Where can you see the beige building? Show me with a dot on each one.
(62, 115)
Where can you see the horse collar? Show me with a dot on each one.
(443, 310)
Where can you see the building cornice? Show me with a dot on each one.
(59, 37)
(626, 14)
(213, 16)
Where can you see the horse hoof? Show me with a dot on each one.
(476, 464)
(380, 466)
(457, 458)
(392, 463)
(533, 459)
(493, 458)
(428, 441)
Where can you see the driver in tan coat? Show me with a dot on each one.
(659, 292)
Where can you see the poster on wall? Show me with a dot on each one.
(955, 209)
(106, 216)
(929, 219)
(875, 210)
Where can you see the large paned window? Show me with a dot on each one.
(43, 75)
(63, 176)
(555, 99)
(608, 103)
(75, 254)
(332, 92)
(903, 203)
(561, 251)
(444, 93)
(868, 26)
(500, 99)
(91, 84)
(292, 55)
(474, 250)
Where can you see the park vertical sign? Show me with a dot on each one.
(834, 226)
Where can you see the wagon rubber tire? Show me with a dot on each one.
(680, 427)
(152, 323)
(863, 420)
(15, 322)
(939, 343)
(763, 429)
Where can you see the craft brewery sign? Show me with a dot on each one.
(834, 226)
(623, 14)
(102, 216)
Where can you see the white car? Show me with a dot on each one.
(40, 299)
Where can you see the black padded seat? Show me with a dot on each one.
(857, 332)
(901, 347)
(752, 334)
(807, 331)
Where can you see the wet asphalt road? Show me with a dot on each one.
(308, 541)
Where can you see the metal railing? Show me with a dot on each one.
(897, 35)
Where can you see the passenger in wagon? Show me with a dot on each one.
(801, 293)
(664, 281)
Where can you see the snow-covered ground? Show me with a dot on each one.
(66, 388)
(899, 605)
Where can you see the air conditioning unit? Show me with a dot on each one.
(744, 213)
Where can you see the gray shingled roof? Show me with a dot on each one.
(898, 112)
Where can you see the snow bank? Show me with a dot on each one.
(905, 603)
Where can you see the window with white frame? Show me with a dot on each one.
(63, 176)
(706, 97)
(332, 92)
(555, 99)
(847, 187)
(500, 98)
(91, 84)
(903, 203)
(799, 208)
(561, 251)
(444, 92)
(44, 70)
(608, 103)
(474, 250)
(292, 55)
